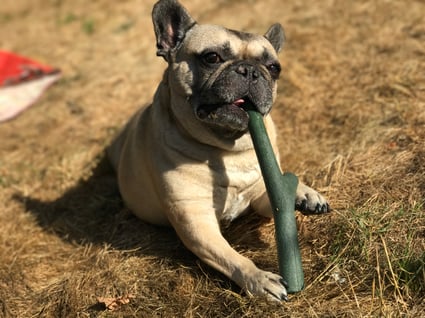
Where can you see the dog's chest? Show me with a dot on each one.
(239, 185)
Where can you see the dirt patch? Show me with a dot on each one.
(351, 119)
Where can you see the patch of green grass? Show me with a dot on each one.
(3, 182)
(386, 243)
(69, 18)
(5, 17)
(125, 26)
(412, 273)
(88, 26)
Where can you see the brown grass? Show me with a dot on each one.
(351, 116)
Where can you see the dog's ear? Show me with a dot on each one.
(276, 36)
(171, 22)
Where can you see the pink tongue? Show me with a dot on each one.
(239, 102)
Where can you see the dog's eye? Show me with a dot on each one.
(212, 58)
(274, 70)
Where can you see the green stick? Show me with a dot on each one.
(281, 190)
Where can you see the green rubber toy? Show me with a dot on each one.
(281, 190)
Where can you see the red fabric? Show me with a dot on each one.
(15, 69)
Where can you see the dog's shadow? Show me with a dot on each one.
(92, 212)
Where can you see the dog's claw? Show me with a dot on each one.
(319, 208)
(301, 206)
(278, 297)
(283, 295)
(284, 283)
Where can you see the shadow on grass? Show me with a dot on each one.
(93, 212)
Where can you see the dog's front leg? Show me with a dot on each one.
(200, 232)
(308, 201)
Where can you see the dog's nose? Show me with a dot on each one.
(248, 71)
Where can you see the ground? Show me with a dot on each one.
(351, 120)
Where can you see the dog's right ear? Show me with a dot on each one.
(171, 21)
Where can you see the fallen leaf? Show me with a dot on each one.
(114, 303)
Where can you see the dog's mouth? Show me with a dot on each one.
(230, 118)
(212, 112)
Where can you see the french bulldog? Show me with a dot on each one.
(187, 160)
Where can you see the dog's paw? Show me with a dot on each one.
(309, 201)
(267, 284)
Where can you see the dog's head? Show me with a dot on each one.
(216, 73)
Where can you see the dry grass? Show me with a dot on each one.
(351, 114)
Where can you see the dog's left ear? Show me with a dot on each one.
(276, 36)
(171, 22)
